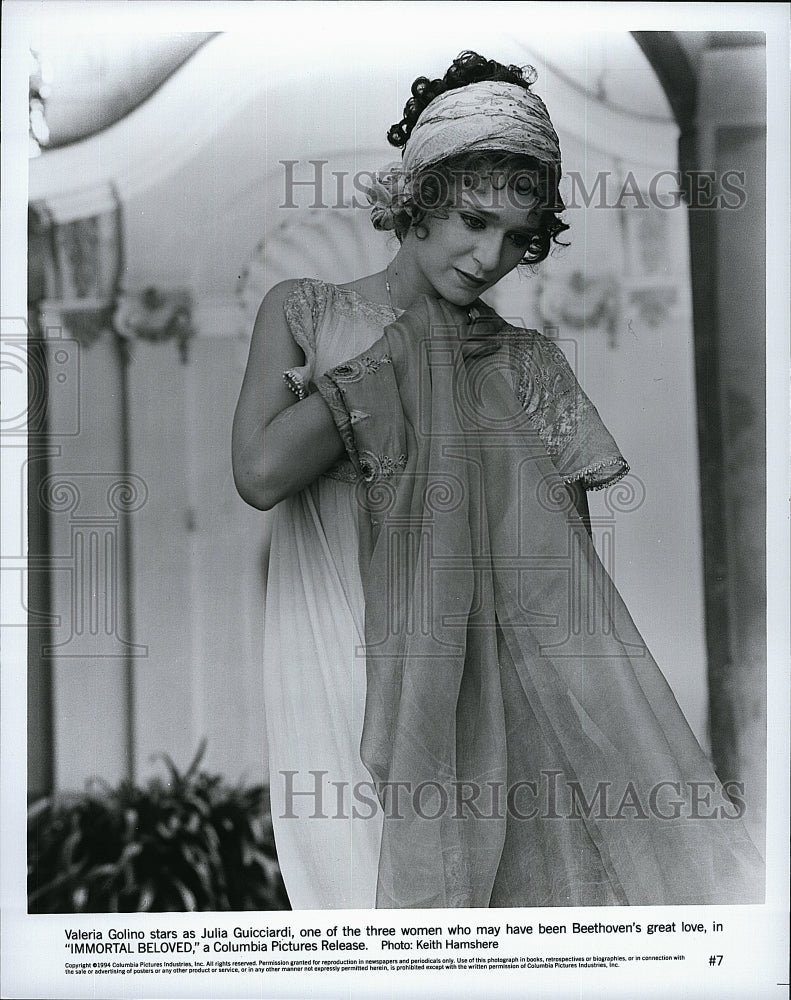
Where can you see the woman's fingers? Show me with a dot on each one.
(446, 319)
(431, 318)
(482, 333)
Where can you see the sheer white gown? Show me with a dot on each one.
(327, 821)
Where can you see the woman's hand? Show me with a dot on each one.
(482, 332)
(430, 318)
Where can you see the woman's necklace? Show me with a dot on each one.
(472, 312)
(390, 292)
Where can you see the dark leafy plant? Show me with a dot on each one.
(186, 842)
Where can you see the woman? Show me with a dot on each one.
(460, 710)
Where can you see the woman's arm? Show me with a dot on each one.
(279, 444)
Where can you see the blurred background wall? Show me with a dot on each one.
(161, 212)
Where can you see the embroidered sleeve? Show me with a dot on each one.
(568, 423)
(362, 396)
(303, 310)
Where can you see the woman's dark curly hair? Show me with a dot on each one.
(435, 189)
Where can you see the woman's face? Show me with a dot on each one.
(475, 242)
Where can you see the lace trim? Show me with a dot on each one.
(296, 383)
(303, 310)
(312, 295)
(375, 467)
(550, 395)
(357, 369)
(547, 390)
(543, 382)
(622, 469)
(332, 395)
(349, 417)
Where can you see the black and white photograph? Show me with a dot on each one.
(395, 499)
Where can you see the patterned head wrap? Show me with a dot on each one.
(481, 116)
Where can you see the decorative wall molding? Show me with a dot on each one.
(160, 146)
(220, 316)
(151, 133)
(76, 248)
(81, 203)
(84, 321)
(579, 301)
(156, 316)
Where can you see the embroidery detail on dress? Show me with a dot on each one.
(544, 391)
(308, 296)
(354, 371)
(560, 411)
(343, 472)
(352, 302)
(456, 877)
(304, 310)
(332, 397)
(374, 467)
(560, 420)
